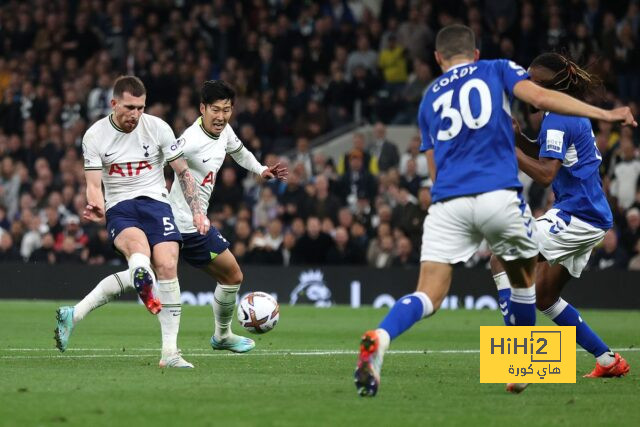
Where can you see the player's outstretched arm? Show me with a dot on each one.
(550, 100)
(190, 193)
(94, 211)
(543, 170)
(247, 160)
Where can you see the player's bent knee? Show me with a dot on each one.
(166, 269)
(232, 277)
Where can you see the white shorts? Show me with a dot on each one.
(453, 229)
(570, 244)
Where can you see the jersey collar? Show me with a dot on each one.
(115, 126)
(206, 132)
(458, 66)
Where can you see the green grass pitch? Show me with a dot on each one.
(299, 374)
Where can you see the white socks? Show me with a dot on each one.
(224, 302)
(109, 288)
(168, 291)
(502, 281)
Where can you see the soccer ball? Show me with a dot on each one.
(258, 312)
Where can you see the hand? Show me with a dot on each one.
(622, 114)
(201, 222)
(276, 171)
(93, 213)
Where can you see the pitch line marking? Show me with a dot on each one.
(254, 353)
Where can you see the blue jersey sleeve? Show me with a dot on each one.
(511, 73)
(427, 142)
(554, 137)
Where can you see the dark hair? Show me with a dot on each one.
(216, 90)
(130, 84)
(569, 77)
(455, 40)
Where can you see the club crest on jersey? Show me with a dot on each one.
(129, 169)
(146, 150)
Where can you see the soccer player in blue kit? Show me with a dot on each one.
(465, 122)
(564, 155)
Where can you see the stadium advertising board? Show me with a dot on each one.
(319, 286)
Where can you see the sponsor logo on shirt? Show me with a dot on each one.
(555, 140)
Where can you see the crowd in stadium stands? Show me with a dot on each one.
(301, 69)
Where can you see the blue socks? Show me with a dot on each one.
(522, 307)
(564, 314)
(405, 312)
(517, 305)
(504, 295)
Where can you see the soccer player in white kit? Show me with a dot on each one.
(205, 144)
(465, 122)
(126, 151)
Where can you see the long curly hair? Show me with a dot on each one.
(569, 77)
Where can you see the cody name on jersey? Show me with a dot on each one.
(205, 154)
(131, 163)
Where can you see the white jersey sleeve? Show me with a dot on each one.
(170, 146)
(232, 143)
(90, 152)
(241, 155)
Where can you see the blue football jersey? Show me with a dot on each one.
(465, 117)
(577, 186)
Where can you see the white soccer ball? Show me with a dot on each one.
(258, 312)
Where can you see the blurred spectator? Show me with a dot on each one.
(363, 57)
(9, 186)
(45, 254)
(631, 232)
(609, 255)
(101, 250)
(411, 93)
(381, 256)
(69, 253)
(227, 191)
(634, 263)
(357, 181)
(8, 252)
(393, 63)
(313, 246)
(322, 204)
(625, 174)
(303, 155)
(32, 239)
(405, 257)
(414, 35)
(344, 251)
(266, 209)
(286, 248)
(72, 229)
(383, 151)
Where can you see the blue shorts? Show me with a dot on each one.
(154, 218)
(199, 250)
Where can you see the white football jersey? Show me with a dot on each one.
(131, 163)
(205, 154)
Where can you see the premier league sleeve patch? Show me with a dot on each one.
(555, 140)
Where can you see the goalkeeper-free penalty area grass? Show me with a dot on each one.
(299, 374)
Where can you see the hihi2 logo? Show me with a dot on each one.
(527, 354)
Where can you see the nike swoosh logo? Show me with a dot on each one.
(205, 161)
(107, 155)
(171, 232)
